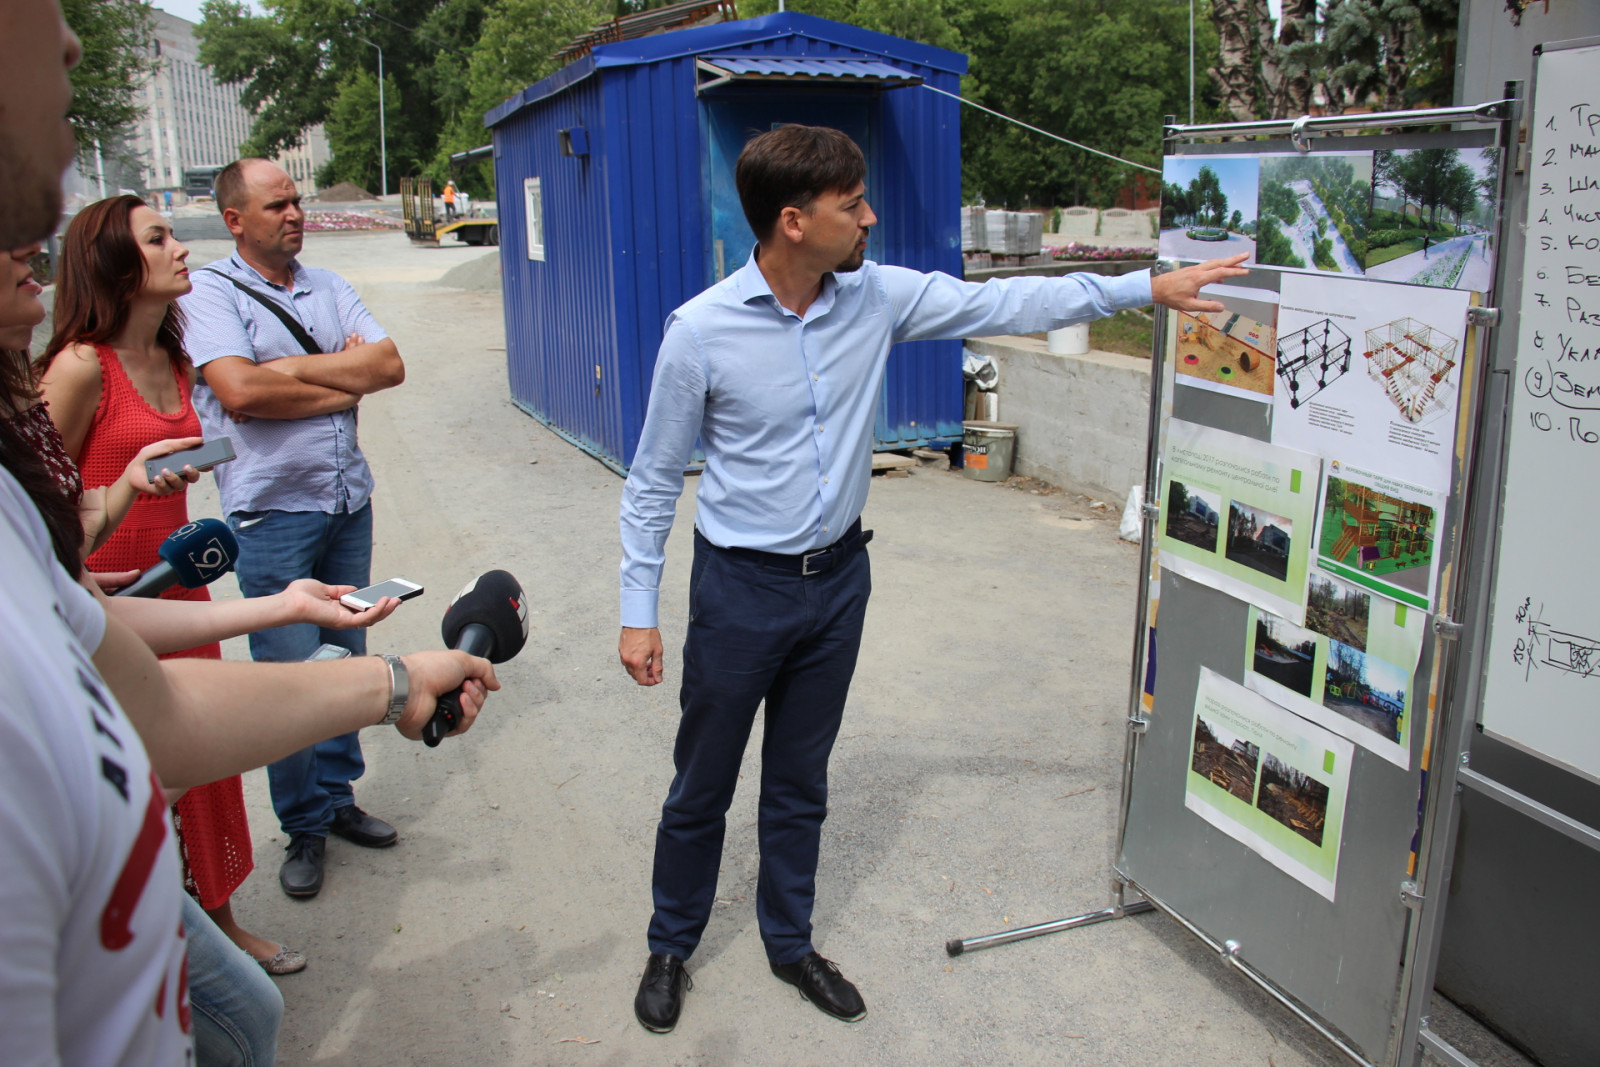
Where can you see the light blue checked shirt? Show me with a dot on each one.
(309, 464)
(784, 406)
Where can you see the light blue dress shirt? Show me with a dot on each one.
(309, 464)
(784, 406)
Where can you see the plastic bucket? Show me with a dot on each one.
(988, 449)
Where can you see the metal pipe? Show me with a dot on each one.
(383, 133)
(973, 944)
(1540, 813)
(1492, 111)
(1147, 531)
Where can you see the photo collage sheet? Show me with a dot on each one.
(1352, 339)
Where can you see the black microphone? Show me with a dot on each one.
(488, 618)
(194, 555)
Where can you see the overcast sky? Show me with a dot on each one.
(186, 9)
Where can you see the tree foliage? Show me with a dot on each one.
(1337, 54)
(115, 35)
(1101, 72)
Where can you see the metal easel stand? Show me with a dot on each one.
(1450, 741)
(1137, 724)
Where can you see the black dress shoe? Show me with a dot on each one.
(301, 873)
(660, 996)
(820, 982)
(356, 826)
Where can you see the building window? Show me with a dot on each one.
(535, 208)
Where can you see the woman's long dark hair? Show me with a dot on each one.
(100, 273)
(27, 467)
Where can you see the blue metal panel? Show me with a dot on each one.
(561, 351)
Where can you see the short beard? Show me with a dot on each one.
(852, 264)
(33, 199)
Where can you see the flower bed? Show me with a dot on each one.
(1093, 253)
(321, 221)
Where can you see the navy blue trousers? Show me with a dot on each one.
(756, 633)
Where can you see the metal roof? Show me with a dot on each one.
(724, 69)
(718, 37)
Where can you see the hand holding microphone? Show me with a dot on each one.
(194, 555)
(488, 618)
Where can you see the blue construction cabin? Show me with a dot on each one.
(617, 204)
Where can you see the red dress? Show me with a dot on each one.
(212, 826)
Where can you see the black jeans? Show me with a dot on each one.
(756, 632)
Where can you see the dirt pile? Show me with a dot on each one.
(344, 193)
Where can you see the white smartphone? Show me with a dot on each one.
(362, 599)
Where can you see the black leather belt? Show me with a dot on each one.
(806, 564)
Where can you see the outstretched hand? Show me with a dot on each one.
(308, 600)
(1180, 289)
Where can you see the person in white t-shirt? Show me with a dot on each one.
(92, 961)
(91, 942)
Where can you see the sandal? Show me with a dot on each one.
(287, 961)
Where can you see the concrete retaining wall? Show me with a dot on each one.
(1081, 420)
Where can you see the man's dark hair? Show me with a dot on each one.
(790, 167)
(228, 185)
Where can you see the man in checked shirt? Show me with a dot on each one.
(285, 353)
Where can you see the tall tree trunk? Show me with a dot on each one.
(1267, 50)
(1396, 56)
(1235, 73)
(1299, 27)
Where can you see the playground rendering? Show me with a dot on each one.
(1378, 534)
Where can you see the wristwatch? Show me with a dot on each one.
(399, 688)
(1162, 266)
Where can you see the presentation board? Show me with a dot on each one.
(1542, 691)
(1309, 487)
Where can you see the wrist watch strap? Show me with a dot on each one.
(399, 688)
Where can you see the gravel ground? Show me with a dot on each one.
(975, 783)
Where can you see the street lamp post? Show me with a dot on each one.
(383, 136)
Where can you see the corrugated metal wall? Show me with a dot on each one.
(626, 233)
(561, 322)
(658, 220)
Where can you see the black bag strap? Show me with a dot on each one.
(295, 329)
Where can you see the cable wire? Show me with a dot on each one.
(1045, 133)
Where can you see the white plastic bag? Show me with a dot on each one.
(1133, 516)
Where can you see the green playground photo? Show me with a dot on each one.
(1377, 534)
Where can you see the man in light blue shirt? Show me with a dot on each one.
(777, 371)
(285, 354)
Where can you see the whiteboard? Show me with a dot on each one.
(1542, 691)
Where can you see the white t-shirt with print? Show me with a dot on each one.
(92, 967)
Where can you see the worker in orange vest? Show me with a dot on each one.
(449, 200)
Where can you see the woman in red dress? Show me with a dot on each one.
(116, 379)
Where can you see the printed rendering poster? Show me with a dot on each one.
(1268, 779)
(1380, 533)
(1433, 217)
(1233, 351)
(1237, 515)
(1371, 373)
(1208, 206)
(1313, 211)
(1350, 669)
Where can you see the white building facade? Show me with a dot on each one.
(191, 120)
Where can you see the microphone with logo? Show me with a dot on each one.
(488, 618)
(194, 555)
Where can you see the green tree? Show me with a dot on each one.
(515, 47)
(353, 130)
(1101, 72)
(296, 63)
(116, 59)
